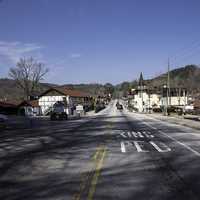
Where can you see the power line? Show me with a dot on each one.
(185, 49)
(186, 52)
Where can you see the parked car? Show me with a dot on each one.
(99, 107)
(117, 104)
(59, 111)
(157, 110)
(120, 107)
(3, 121)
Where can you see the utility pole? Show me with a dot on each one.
(168, 84)
(142, 97)
(141, 88)
(165, 89)
(149, 95)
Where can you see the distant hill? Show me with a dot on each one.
(184, 77)
(9, 90)
(187, 77)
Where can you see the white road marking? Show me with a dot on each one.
(186, 146)
(182, 144)
(167, 149)
(122, 134)
(140, 134)
(154, 128)
(129, 134)
(123, 146)
(146, 134)
(150, 134)
(138, 147)
(134, 134)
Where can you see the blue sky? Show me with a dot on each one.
(89, 41)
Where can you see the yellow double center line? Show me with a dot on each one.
(100, 155)
(98, 159)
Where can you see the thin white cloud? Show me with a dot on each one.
(13, 51)
(75, 55)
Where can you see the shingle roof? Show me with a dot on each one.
(67, 92)
(7, 104)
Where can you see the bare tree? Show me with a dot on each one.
(28, 73)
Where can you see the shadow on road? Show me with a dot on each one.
(46, 163)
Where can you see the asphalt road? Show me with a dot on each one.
(115, 155)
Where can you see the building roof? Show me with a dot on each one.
(32, 103)
(6, 104)
(66, 92)
(141, 80)
(148, 91)
(197, 103)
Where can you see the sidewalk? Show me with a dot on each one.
(90, 113)
(192, 121)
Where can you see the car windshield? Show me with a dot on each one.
(59, 108)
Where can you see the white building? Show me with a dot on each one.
(29, 108)
(144, 99)
(71, 97)
(176, 97)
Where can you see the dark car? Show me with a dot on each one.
(117, 104)
(99, 107)
(59, 112)
(120, 107)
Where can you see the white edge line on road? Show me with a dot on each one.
(186, 146)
